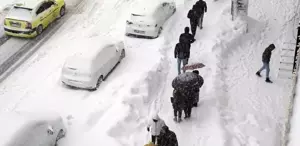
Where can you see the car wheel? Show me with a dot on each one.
(123, 54)
(62, 11)
(60, 135)
(39, 29)
(174, 10)
(100, 80)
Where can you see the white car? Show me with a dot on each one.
(31, 129)
(87, 70)
(148, 19)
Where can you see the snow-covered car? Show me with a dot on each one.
(28, 18)
(31, 129)
(88, 69)
(148, 18)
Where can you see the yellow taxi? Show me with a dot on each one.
(28, 18)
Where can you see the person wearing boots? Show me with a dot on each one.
(266, 57)
(167, 137)
(178, 105)
(155, 127)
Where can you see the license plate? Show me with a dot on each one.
(139, 31)
(15, 24)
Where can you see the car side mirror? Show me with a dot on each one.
(50, 130)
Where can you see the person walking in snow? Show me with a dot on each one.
(178, 103)
(186, 37)
(182, 53)
(266, 57)
(201, 8)
(155, 127)
(167, 137)
(194, 16)
(196, 89)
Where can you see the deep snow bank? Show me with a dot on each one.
(126, 119)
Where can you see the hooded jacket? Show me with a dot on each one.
(155, 127)
(168, 138)
(186, 37)
(266, 56)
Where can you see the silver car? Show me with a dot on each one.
(31, 129)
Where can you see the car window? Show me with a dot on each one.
(40, 9)
(48, 4)
(165, 4)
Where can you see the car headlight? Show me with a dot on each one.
(128, 22)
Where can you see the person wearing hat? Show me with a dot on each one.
(155, 127)
(167, 137)
(266, 57)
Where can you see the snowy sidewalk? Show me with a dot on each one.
(254, 111)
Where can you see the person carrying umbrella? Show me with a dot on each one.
(187, 84)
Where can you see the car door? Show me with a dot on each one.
(160, 15)
(41, 14)
(166, 9)
(112, 54)
(51, 15)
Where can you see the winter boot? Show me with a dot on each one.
(179, 120)
(258, 74)
(268, 80)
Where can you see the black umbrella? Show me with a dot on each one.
(187, 81)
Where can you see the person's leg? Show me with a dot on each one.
(179, 115)
(179, 66)
(193, 27)
(175, 113)
(184, 62)
(201, 21)
(153, 138)
(267, 66)
(262, 68)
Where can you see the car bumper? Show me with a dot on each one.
(20, 33)
(142, 31)
(77, 83)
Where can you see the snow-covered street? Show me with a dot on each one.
(236, 108)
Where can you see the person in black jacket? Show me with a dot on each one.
(178, 101)
(186, 37)
(266, 57)
(167, 137)
(194, 16)
(201, 8)
(182, 53)
(196, 91)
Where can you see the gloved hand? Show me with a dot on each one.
(148, 129)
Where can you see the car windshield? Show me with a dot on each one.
(20, 13)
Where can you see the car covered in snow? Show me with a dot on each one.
(148, 18)
(28, 18)
(88, 69)
(31, 129)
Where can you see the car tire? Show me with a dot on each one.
(60, 135)
(62, 11)
(100, 80)
(39, 29)
(123, 54)
(174, 10)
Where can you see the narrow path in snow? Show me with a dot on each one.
(253, 110)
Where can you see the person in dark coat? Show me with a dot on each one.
(201, 8)
(167, 137)
(197, 90)
(178, 101)
(182, 53)
(186, 37)
(194, 16)
(266, 57)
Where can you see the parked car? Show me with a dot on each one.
(87, 70)
(28, 18)
(31, 129)
(148, 19)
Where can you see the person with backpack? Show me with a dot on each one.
(167, 137)
(194, 16)
(182, 53)
(201, 8)
(266, 57)
(178, 101)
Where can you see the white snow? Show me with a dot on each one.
(236, 108)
